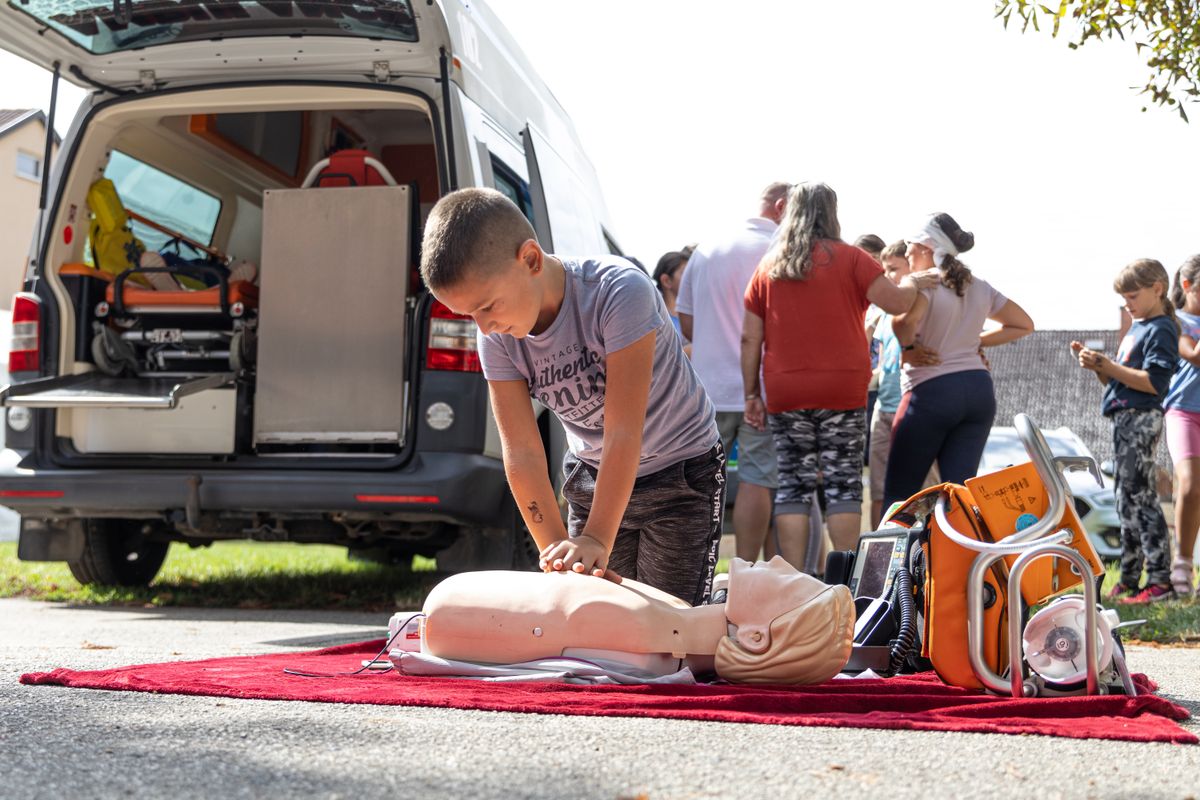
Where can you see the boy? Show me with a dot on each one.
(591, 339)
(895, 267)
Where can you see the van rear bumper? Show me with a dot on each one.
(462, 488)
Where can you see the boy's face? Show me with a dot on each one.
(501, 298)
(895, 268)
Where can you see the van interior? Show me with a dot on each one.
(242, 290)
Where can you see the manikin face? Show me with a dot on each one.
(502, 298)
(1146, 302)
(895, 268)
(919, 257)
(761, 592)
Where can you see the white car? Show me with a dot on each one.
(1096, 505)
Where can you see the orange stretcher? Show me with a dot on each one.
(239, 295)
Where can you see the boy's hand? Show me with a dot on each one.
(921, 356)
(756, 413)
(582, 554)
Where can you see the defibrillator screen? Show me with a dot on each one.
(875, 564)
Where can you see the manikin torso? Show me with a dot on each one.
(500, 617)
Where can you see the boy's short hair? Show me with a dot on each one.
(869, 242)
(894, 250)
(469, 229)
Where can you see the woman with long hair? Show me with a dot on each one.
(947, 409)
(805, 308)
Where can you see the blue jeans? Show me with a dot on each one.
(944, 419)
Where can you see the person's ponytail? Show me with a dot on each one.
(1189, 270)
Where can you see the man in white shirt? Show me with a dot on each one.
(711, 309)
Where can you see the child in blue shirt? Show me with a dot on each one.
(1135, 385)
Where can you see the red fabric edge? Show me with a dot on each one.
(913, 702)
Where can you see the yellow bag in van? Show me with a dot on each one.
(114, 248)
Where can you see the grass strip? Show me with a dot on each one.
(234, 575)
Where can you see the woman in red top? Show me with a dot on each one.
(804, 326)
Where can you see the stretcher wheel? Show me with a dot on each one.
(112, 355)
(243, 348)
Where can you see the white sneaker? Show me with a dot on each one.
(1182, 577)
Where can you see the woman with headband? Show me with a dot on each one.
(947, 408)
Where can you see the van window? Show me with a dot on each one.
(163, 198)
(104, 26)
(512, 187)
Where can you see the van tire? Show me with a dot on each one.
(117, 553)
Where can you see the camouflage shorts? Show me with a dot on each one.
(812, 442)
(1144, 535)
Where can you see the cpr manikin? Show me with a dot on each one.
(777, 625)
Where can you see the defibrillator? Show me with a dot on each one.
(950, 578)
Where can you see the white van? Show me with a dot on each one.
(294, 380)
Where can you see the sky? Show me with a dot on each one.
(688, 108)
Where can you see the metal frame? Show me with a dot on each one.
(1039, 540)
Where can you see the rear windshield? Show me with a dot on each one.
(109, 26)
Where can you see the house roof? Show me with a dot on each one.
(1038, 375)
(13, 118)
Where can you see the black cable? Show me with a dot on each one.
(903, 643)
(365, 667)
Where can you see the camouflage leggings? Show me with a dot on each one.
(811, 441)
(1143, 527)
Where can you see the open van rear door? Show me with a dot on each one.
(558, 189)
(125, 45)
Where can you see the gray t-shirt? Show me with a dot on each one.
(608, 305)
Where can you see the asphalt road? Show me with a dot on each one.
(58, 743)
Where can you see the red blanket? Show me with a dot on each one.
(915, 702)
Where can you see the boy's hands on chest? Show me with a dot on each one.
(581, 554)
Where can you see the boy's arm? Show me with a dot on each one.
(525, 462)
(627, 390)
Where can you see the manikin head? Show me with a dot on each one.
(791, 627)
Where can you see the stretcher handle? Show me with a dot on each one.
(1045, 529)
(198, 270)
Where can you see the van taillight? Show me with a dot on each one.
(452, 343)
(23, 353)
